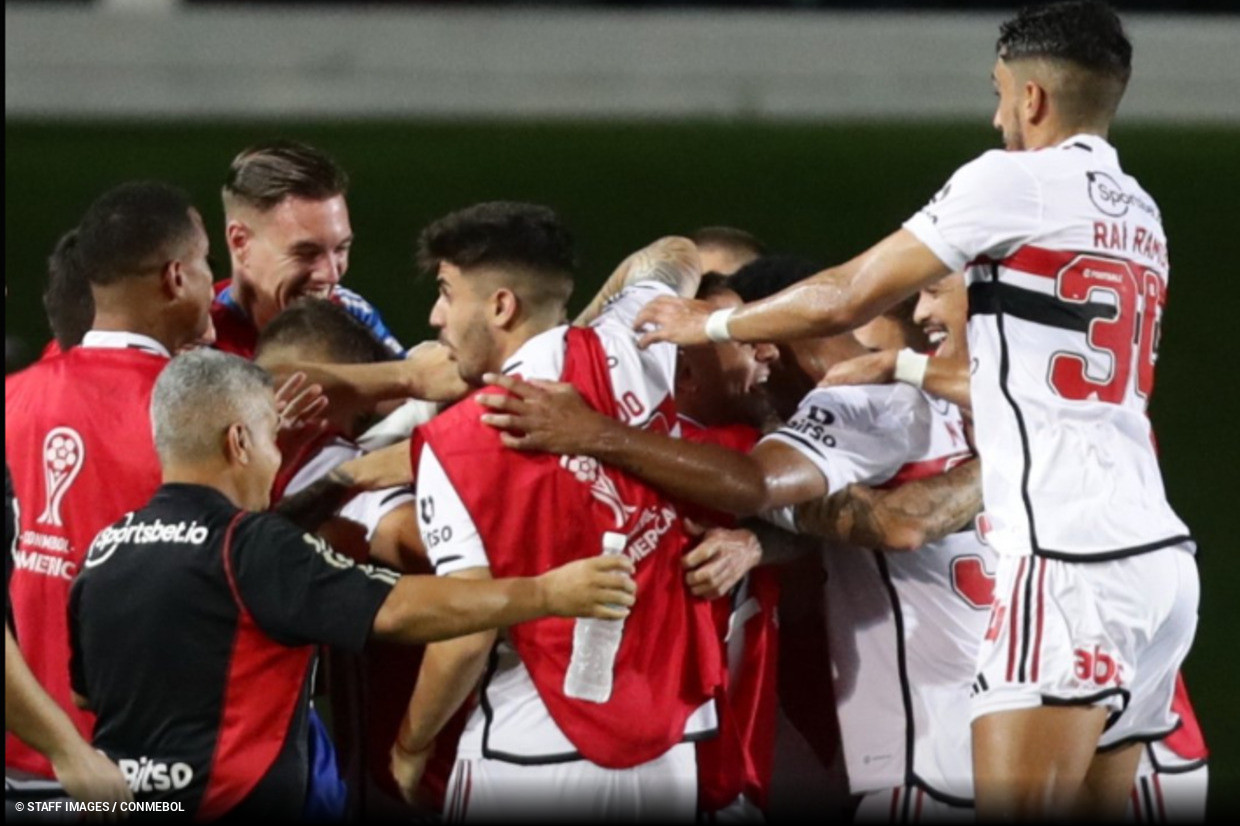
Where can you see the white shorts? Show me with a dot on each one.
(910, 804)
(1110, 634)
(1168, 789)
(488, 791)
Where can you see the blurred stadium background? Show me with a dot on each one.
(819, 126)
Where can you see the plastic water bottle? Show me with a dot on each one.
(595, 643)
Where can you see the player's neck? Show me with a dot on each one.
(513, 340)
(127, 313)
(208, 475)
(1052, 134)
(247, 298)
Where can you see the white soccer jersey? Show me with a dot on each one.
(367, 508)
(903, 628)
(511, 721)
(1066, 264)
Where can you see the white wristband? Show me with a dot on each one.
(717, 325)
(911, 367)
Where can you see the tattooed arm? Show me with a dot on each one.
(387, 467)
(317, 502)
(672, 261)
(903, 519)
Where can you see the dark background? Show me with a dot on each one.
(824, 191)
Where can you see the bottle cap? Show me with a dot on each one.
(613, 543)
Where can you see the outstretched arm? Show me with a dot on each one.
(427, 373)
(313, 505)
(426, 608)
(450, 670)
(903, 519)
(35, 718)
(551, 417)
(672, 261)
(831, 302)
(947, 378)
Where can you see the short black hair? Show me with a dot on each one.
(713, 283)
(500, 234)
(263, 175)
(322, 323)
(729, 238)
(131, 229)
(67, 298)
(1084, 32)
(769, 274)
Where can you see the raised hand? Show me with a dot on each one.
(601, 587)
(719, 561)
(299, 404)
(433, 376)
(541, 415)
(678, 320)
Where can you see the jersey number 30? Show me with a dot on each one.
(1139, 298)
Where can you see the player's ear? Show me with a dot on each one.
(504, 307)
(237, 444)
(1034, 102)
(172, 278)
(237, 236)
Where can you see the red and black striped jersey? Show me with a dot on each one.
(193, 627)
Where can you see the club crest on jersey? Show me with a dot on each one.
(589, 472)
(63, 455)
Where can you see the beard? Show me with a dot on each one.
(1014, 136)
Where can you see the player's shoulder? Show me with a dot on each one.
(621, 309)
(996, 169)
(540, 357)
(268, 530)
(354, 301)
(868, 400)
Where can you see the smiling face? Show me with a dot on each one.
(725, 382)
(299, 247)
(460, 314)
(943, 312)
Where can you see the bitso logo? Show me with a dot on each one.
(146, 775)
(63, 455)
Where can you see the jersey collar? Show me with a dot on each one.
(529, 351)
(120, 340)
(1094, 144)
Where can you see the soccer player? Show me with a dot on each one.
(720, 399)
(374, 526)
(536, 746)
(78, 461)
(288, 235)
(67, 300)
(1066, 264)
(195, 619)
(904, 627)
(1173, 774)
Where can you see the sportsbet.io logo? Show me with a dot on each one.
(1110, 199)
